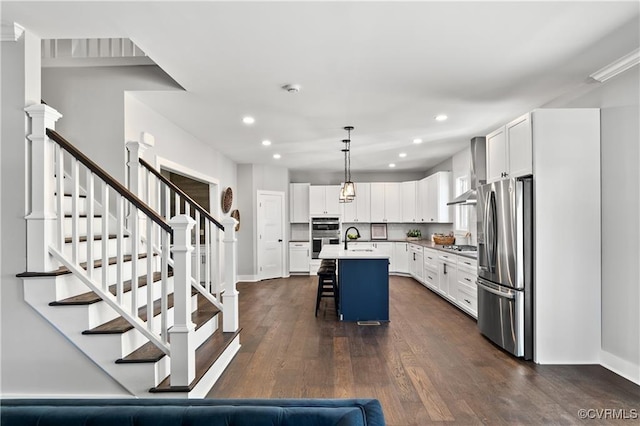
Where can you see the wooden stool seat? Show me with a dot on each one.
(327, 284)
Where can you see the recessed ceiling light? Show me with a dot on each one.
(392, 165)
(248, 120)
(402, 154)
(266, 142)
(441, 117)
(276, 156)
(417, 141)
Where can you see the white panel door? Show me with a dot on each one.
(270, 234)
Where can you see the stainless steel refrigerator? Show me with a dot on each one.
(505, 264)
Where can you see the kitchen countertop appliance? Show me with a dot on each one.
(505, 264)
(324, 230)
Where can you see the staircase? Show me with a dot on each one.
(114, 275)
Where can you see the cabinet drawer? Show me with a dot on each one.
(431, 278)
(467, 265)
(468, 299)
(430, 259)
(466, 278)
(448, 258)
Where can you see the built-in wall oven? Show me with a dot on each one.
(324, 230)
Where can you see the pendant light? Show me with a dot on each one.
(348, 190)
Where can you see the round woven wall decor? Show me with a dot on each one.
(227, 199)
(236, 215)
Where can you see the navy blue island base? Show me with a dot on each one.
(364, 289)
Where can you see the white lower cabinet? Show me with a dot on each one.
(400, 258)
(467, 295)
(447, 276)
(299, 257)
(431, 269)
(416, 262)
(451, 276)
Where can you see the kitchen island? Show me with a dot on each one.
(363, 283)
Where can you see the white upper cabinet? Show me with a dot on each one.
(358, 210)
(409, 201)
(519, 146)
(386, 202)
(323, 200)
(496, 155)
(299, 203)
(433, 194)
(509, 150)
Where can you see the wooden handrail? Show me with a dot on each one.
(109, 180)
(188, 199)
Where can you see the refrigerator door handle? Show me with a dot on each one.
(499, 293)
(489, 231)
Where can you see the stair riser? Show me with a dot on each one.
(142, 301)
(67, 206)
(112, 245)
(82, 226)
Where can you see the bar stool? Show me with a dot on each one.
(327, 283)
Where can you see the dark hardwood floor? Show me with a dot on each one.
(428, 365)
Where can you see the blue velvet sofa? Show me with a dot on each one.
(191, 412)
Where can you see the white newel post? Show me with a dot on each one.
(42, 217)
(136, 174)
(230, 322)
(136, 149)
(183, 356)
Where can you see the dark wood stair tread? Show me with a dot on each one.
(91, 297)
(120, 325)
(144, 354)
(63, 269)
(83, 239)
(206, 356)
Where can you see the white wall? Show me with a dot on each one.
(251, 179)
(91, 101)
(27, 365)
(179, 146)
(618, 100)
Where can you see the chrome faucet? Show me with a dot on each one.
(346, 232)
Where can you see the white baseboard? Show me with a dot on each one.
(248, 278)
(622, 367)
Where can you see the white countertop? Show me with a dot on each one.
(337, 251)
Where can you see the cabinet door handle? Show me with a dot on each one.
(444, 268)
(468, 279)
(468, 301)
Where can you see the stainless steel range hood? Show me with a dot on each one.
(478, 171)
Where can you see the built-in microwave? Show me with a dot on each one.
(325, 224)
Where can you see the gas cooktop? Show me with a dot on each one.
(460, 247)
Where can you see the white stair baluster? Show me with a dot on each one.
(89, 207)
(207, 256)
(120, 249)
(150, 297)
(60, 197)
(198, 260)
(75, 208)
(164, 289)
(105, 236)
(135, 238)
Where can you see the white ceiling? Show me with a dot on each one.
(386, 68)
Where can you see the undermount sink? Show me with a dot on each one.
(360, 249)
